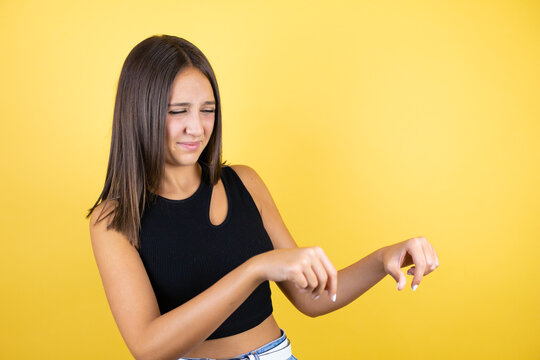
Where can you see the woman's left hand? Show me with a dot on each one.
(417, 251)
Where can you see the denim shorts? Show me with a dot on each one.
(254, 354)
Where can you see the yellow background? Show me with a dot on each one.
(370, 122)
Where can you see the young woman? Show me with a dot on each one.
(186, 245)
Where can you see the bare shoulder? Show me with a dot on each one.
(253, 183)
(247, 174)
(259, 192)
(273, 223)
(100, 212)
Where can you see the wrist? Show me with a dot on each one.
(379, 258)
(254, 269)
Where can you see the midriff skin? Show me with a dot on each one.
(231, 346)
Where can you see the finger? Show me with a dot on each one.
(394, 269)
(299, 280)
(311, 278)
(436, 256)
(433, 256)
(430, 259)
(322, 277)
(331, 284)
(419, 259)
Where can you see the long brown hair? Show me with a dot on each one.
(137, 153)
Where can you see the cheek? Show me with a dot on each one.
(209, 126)
(172, 129)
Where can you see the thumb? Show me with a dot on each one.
(402, 281)
(399, 276)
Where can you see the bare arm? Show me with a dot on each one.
(354, 280)
(173, 334)
(148, 334)
(359, 277)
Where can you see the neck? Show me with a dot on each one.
(180, 180)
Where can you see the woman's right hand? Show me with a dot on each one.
(308, 268)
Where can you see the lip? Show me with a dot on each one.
(190, 145)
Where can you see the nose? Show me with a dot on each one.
(193, 125)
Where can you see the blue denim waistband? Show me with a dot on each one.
(268, 346)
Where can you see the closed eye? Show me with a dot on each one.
(180, 112)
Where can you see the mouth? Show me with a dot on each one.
(189, 145)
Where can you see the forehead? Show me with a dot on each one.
(191, 84)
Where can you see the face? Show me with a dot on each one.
(190, 117)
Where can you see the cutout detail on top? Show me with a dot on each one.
(219, 205)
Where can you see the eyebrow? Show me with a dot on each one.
(188, 104)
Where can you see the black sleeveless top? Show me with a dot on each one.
(184, 253)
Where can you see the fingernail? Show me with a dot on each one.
(397, 286)
(315, 297)
(334, 297)
(414, 287)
